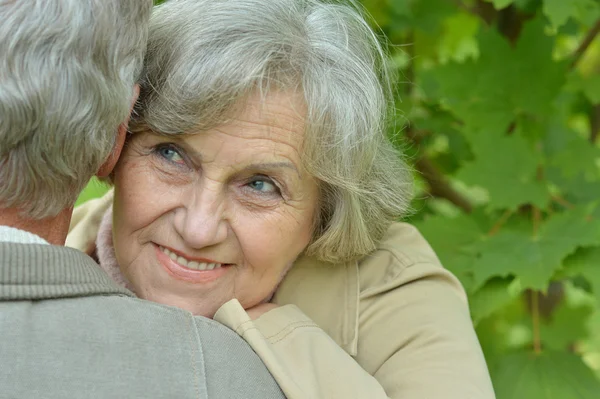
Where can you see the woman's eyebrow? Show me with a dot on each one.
(197, 157)
(271, 166)
(189, 150)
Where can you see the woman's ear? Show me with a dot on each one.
(107, 167)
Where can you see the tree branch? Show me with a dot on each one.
(459, 4)
(510, 23)
(537, 220)
(535, 319)
(498, 225)
(483, 10)
(437, 182)
(439, 186)
(561, 201)
(587, 41)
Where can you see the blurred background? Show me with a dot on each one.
(499, 112)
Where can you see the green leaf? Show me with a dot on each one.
(479, 101)
(586, 263)
(506, 166)
(589, 85)
(379, 10)
(591, 88)
(500, 4)
(494, 295)
(528, 6)
(539, 78)
(550, 375)
(559, 11)
(458, 42)
(449, 238)
(573, 228)
(535, 259)
(568, 325)
(425, 16)
(583, 162)
(571, 154)
(503, 82)
(578, 189)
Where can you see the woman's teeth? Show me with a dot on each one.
(190, 264)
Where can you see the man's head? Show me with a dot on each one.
(67, 75)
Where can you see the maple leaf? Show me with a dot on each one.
(535, 258)
(550, 375)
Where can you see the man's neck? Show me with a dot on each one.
(53, 229)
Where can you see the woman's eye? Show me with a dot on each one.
(263, 185)
(170, 153)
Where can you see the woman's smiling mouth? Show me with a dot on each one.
(193, 271)
(190, 264)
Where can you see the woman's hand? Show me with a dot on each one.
(256, 311)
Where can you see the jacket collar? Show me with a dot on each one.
(328, 294)
(12, 234)
(40, 271)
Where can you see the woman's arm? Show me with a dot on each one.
(304, 360)
(416, 336)
(400, 314)
(416, 339)
(85, 223)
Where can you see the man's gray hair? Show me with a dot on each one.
(206, 56)
(67, 72)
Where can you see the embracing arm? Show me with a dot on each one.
(304, 360)
(401, 315)
(85, 223)
(416, 337)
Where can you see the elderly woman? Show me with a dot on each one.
(258, 177)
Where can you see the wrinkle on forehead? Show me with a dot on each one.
(278, 107)
(272, 140)
(269, 122)
(284, 112)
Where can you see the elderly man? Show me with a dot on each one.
(67, 73)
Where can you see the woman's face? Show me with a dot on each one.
(203, 218)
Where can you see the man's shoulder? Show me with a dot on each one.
(66, 327)
(126, 347)
(110, 342)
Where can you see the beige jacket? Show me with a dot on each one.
(395, 324)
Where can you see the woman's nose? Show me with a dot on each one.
(201, 222)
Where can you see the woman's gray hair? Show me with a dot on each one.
(67, 73)
(206, 56)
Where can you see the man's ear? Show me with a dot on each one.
(107, 167)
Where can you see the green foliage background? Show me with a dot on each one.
(499, 110)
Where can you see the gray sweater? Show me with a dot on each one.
(67, 331)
